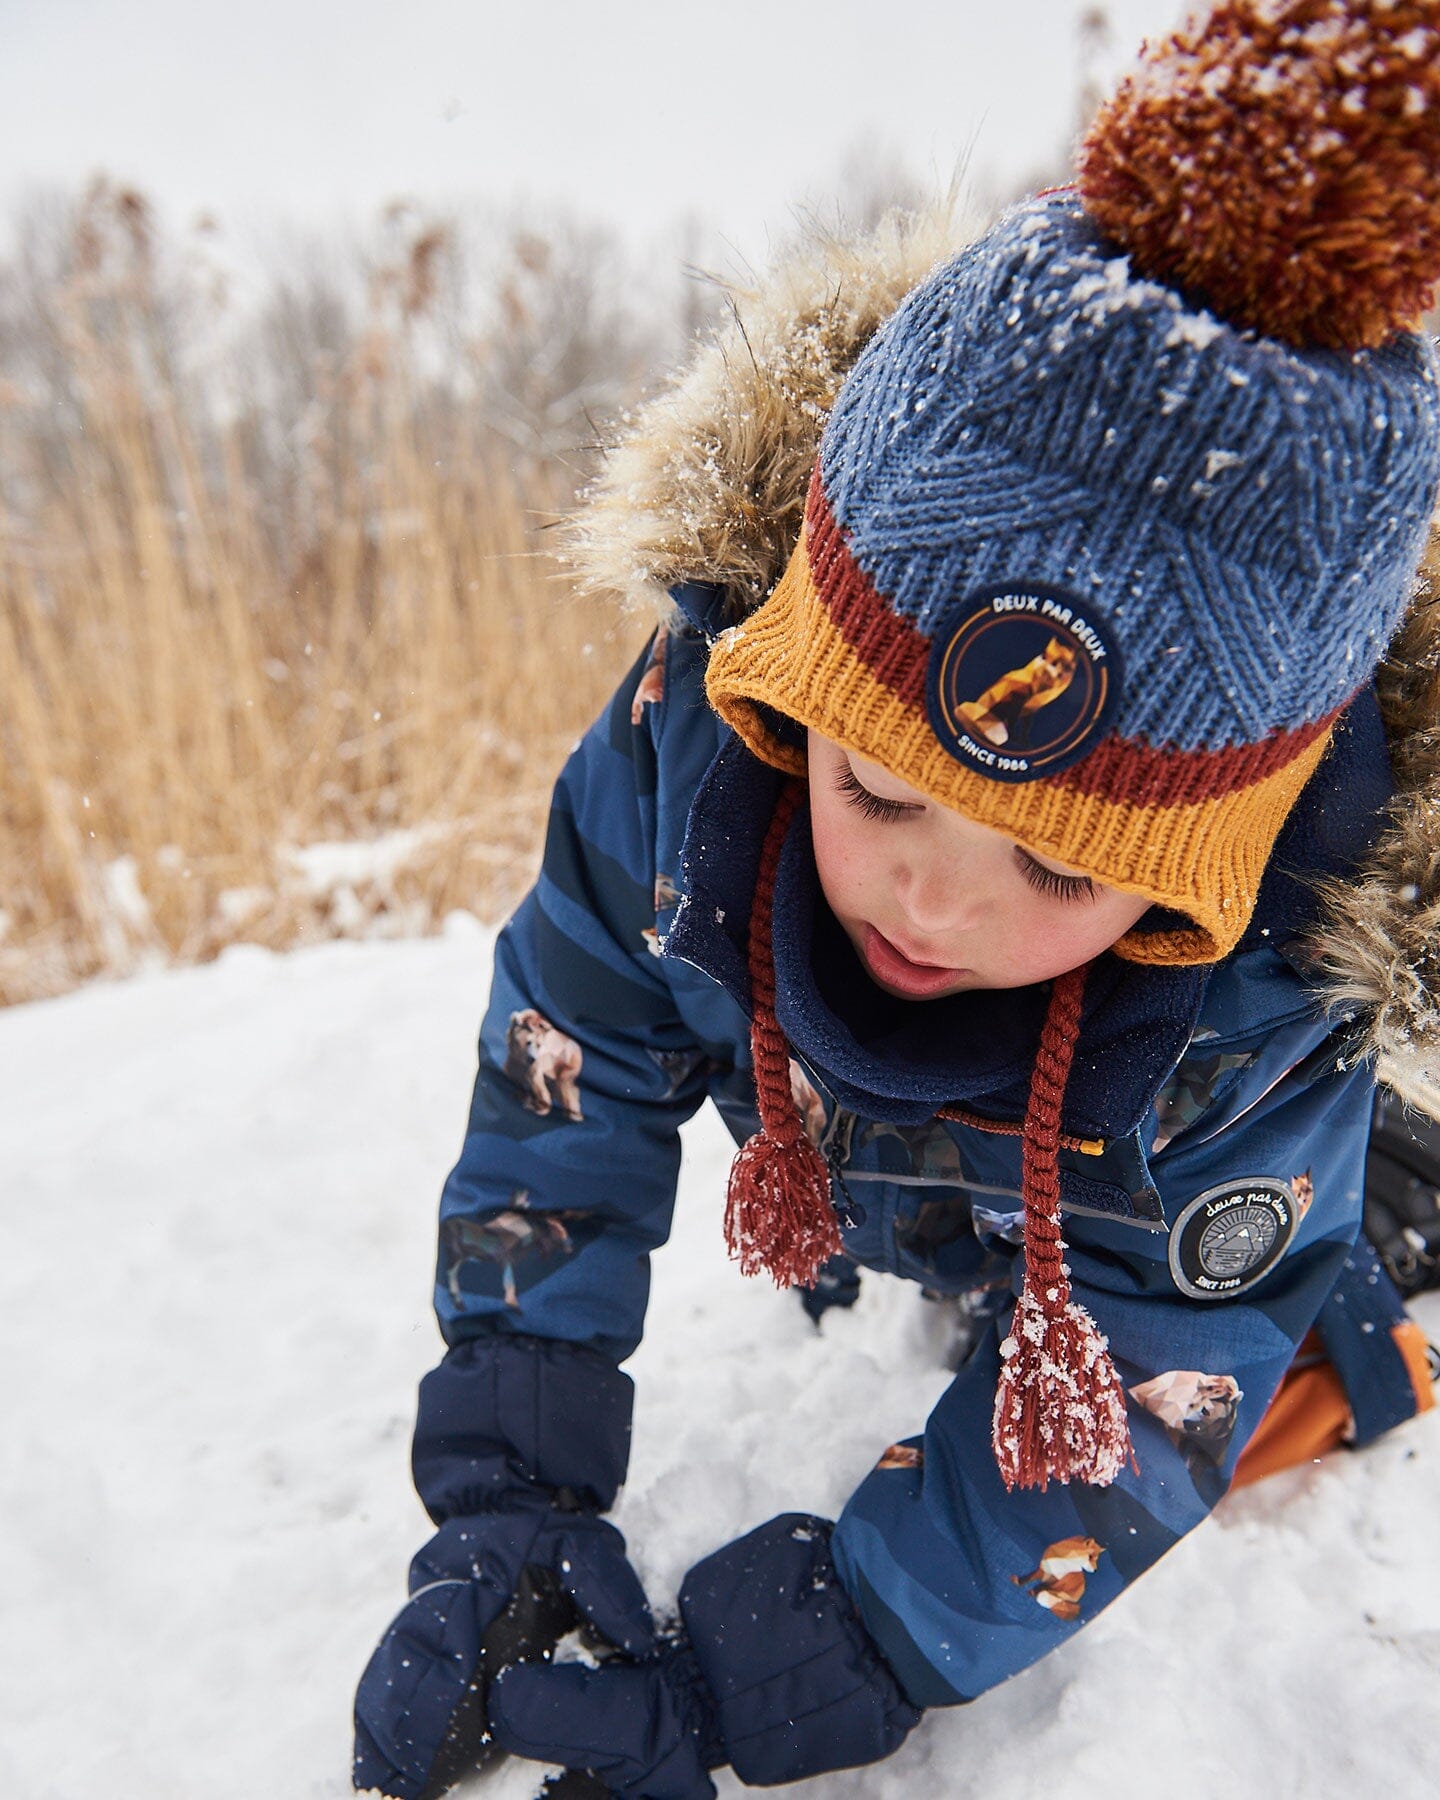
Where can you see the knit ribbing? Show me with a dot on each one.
(1203, 858)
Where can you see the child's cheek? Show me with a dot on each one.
(1049, 941)
(836, 859)
(1080, 939)
(853, 884)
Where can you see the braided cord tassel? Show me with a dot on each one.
(1059, 1404)
(778, 1215)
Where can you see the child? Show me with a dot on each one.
(1038, 827)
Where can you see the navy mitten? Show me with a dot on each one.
(774, 1673)
(644, 1729)
(836, 1283)
(518, 1444)
(484, 1592)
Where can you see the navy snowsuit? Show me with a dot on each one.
(1212, 1189)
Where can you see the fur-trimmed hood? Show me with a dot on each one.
(707, 483)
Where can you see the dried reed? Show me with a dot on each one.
(191, 701)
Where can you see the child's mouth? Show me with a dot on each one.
(892, 968)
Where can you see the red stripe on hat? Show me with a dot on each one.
(890, 647)
(1119, 769)
(1129, 769)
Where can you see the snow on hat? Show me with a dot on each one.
(1116, 515)
(1121, 508)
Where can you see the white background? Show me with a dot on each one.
(636, 113)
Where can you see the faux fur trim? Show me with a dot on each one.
(1378, 943)
(707, 482)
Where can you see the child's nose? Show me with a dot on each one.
(940, 896)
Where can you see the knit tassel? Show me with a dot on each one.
(778, 1214)
(1059, 1405)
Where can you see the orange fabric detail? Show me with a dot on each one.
(1410, 1341)
(1310, 1415)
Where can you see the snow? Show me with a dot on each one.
(1198, 330)
(1218, 460)
(353, 862)
(220, 1187)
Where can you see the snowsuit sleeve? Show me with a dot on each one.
(566, 1180)
(962, 1584)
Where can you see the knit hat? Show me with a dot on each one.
(1110, 523)
(1121, 508)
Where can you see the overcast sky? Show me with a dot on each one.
(636, 112)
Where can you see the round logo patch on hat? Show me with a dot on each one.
(1022, 681)
(1230, 1237)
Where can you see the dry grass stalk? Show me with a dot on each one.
(183, 708)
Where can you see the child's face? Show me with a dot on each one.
(934, 903)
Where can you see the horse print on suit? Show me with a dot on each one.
(1058, 1584)
(544, 1064)
(508, 1241)
(1002, 715)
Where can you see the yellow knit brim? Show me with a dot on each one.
(1202, 859)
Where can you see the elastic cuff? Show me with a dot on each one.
(504, 1413)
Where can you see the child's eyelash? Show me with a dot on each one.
(1046, 881)
(870, 804)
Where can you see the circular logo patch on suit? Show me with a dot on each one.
(1231, 1237)
(1021, 681)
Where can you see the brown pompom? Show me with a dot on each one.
(1279, 162)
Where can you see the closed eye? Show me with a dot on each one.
(873, 806)
(1046, 881)
(870, 804)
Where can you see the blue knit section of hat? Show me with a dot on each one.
(1246, 518)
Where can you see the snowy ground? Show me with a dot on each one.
(219, 1189)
